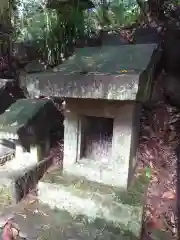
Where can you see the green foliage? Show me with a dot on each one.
(117, 14)
(123, 14)
(54, 31)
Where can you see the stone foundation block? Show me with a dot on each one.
(97, 202)
(16, 184)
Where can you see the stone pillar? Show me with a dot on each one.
(6, 28)
(33, 156)
(35, 153)
(71, 139)
(22, 156)
(124, 141)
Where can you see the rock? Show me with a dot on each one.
(30, 122)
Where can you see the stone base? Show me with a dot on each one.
(79, 197)
(96, 172)
(59, 224)
(15, 183)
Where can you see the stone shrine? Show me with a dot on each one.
(103, 90)
(27, 124)
(25, 131)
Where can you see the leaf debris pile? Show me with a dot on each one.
(158, 141)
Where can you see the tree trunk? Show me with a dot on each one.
(155, 8)
(5, 32)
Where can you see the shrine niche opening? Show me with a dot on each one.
(96, 138)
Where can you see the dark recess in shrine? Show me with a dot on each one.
(96, 139)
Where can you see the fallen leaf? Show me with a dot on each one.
(32, 201)
(22, 215)
(169, 195)
(155, 224)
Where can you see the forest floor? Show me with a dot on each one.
(158, 142)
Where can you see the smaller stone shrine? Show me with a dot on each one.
(25, 138)
(9, 93)
(103, 90)
(27, 124)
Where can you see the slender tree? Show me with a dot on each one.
(5, 32)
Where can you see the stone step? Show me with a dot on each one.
(100, 172)
(18, 178)
(79, 196)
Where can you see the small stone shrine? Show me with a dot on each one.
(25, 139)
(103, 90)
(26, 125)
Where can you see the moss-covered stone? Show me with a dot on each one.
(19, 113)
(114, 73)
(16, 183)
(121, 209)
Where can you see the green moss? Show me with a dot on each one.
(5, 197)
(19, 113)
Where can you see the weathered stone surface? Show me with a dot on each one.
(95, 201)
(16, 182)
(26, 115)
(29, 122)
(117, 171)
(39, 221)
(114, 73)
